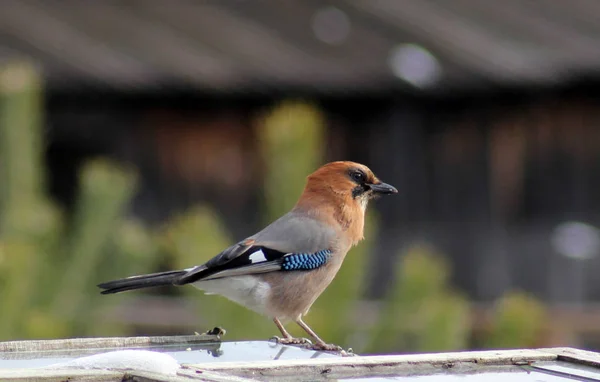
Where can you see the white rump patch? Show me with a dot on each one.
(257, 257)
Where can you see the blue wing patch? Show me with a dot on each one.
(305, 261)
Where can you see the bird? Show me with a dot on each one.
(280, 271)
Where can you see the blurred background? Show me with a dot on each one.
(142, 136)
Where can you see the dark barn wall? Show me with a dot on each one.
(485, 178)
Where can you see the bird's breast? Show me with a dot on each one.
(291, 294)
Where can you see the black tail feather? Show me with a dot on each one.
(139, 282)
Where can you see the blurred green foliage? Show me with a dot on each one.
(518, 321)
(291, 139)
(46, 258)
(49, 261)
(422, 312)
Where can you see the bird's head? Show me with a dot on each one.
(338, 193)
(348, 182)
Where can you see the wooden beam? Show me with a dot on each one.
(377, 365)
(104, 343)
(41, 375)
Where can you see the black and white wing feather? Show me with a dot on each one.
(255, 260)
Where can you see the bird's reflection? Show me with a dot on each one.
(213, 349)
(216, 350)
(284, 348)
(280, 352)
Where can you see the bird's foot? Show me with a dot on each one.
(291, 341)
(326, 347)
(322, 346)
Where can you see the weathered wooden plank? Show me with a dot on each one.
(380, 365)
(73, 375)
(76, 353)
(42, 375)
(104, 343)
(280, 370)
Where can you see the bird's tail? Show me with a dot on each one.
(142, 281)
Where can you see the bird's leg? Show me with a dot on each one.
(287, 337)
(319, 343)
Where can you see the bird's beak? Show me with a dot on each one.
(383, 188)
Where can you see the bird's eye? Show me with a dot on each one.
(358, 176)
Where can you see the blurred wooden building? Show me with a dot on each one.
(484, 114)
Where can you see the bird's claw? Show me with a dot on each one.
(291, 341)
(327, 347)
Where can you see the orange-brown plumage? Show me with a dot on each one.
(328, 194)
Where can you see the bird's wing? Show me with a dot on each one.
(293, 242)
(259, 260)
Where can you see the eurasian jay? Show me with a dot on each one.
(280, 271)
